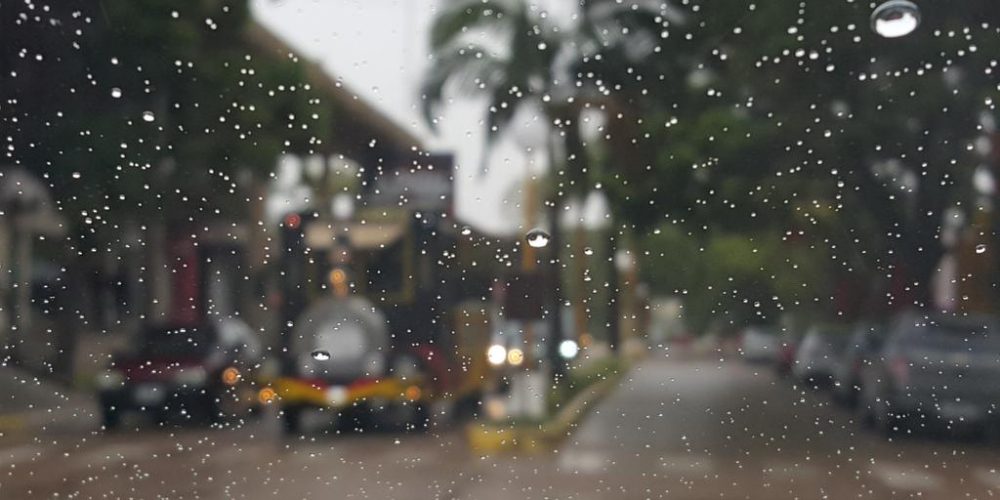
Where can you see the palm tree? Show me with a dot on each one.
(523, 63)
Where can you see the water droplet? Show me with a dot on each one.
(980, 248)
(588, 251)
(537, 238)
(116, 93)
(76, 175)
(114, 60)
(320, 355)
(895, 18)
(466, 230)
(148, 116)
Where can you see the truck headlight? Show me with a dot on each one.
(231, 375)
(496, 354)
(515, 357)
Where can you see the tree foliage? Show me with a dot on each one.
(148, 108)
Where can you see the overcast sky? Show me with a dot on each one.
(379, 49)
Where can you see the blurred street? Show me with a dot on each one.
(674, 429)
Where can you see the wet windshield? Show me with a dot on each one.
(491, 249)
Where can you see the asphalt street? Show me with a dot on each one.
(695, 429)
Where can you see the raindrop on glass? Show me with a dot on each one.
(895, 18)
(980, 248)
(116, 93)
(466, 230)
(537, 238)
(148, 116)
(588, 251)
(76, 175)
(320, 355)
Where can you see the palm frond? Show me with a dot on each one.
(457, 19)
(471, 69)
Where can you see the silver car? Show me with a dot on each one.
(818, 353)
(936, 370)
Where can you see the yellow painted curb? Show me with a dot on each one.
(494, 438)
(11, 423)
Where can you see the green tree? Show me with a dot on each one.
(799, 118)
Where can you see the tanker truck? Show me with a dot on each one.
(378, 332)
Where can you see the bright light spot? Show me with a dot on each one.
(568, 349)
(496, 354)
(413, 393)
(230, 376)
(266, 395)
(515, 357)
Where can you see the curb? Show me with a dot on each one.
(489, 438)
(10, 424)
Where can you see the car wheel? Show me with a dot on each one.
(852, 395)
(886, 420)
(291, 420)
(864, 410)
(111, 418)
(421, 420)
(467, 408)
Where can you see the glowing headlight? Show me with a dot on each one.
(110, 379)
(230, 376)
(337, 395)
(496, 354)
(515, 357)
(568, 349)
(190, 376)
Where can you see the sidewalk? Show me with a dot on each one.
(31, 405)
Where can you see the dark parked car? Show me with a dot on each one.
(818, 352)
(202, 372)
(938, 369)
(863, 347)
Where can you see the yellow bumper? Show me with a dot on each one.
(292, 391)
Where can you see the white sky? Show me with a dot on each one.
(379, 49)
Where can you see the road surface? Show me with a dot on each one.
(687, 429)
